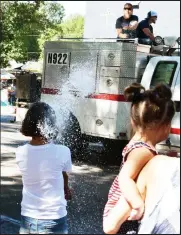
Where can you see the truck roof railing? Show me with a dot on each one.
(126, 39)
(98, 39)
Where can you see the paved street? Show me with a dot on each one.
(90, 182)
(9, 225)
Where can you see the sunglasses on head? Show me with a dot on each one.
(127, 8)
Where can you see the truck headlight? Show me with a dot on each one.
(158, 40)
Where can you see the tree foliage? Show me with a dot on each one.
(53, 11)
(73, 27)
(26, 25)
(51, 34)
(22, 23)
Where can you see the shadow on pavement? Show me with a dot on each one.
(5, 157)
(11, 195)
(90, 190)
(8, 227)
(9, 129)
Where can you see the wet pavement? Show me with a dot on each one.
(90, 181)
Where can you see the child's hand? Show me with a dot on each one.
(68, 193)
(137, 214)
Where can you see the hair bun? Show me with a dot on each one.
(134, 92)
(162, 92)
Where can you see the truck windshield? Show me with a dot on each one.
(164, 73)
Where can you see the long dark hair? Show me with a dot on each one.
(40, 121)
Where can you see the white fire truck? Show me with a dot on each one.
(87, 80)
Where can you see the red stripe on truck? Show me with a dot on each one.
(120, 98)
(49, 91)
(175, 131)
(112, 97)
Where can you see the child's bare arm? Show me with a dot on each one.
(68, 195)
(128, 174)
(116, 217)
(121, 211)
(66, 178)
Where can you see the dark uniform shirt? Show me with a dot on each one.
(143, 25)
(122, 22)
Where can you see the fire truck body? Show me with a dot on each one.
(87, 79)
(98, 104)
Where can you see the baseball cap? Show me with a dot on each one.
(151, 14)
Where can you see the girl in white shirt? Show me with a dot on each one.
(43, 165)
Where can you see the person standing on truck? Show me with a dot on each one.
(144, 30)
(44, 166)
(126, 25)
(151, 112)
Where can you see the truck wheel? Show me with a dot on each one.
(71, 136)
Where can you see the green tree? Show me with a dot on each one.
(51, 34)
(22, 23)
(73, 27)
(53, 11)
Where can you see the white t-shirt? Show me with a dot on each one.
(162, 211)
(43, 186)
